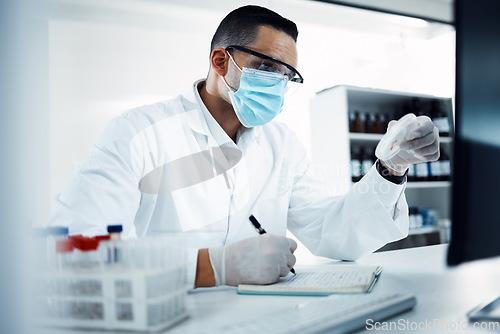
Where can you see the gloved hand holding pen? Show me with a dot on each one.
(410, 140)
(262, 259)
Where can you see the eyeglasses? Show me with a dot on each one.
(266, 63)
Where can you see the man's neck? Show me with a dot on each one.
(221, 111)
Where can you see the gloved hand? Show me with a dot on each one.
(409, 140)
(262, 259)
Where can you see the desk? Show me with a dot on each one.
(443, 294)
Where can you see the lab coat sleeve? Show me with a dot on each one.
(103, 190)
(373, 213)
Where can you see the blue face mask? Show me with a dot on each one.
(259, 98)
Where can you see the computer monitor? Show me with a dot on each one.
(475, 232)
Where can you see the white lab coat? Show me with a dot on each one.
(271, 181)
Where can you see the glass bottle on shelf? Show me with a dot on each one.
(362, 117)
(440, 118)
(370, 123)
(352, 118)
(384, 119)
(358, 125)
(421, 172)
(366, 160)
(415, 218)
(416, 107)
(411, 173)
(434, 170)
(355, 165)
(380, 123)
(445, 166)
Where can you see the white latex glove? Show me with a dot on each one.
(262, 259)
(409, 140)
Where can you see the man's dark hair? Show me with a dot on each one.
(240, 26)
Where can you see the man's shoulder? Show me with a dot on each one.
(161, 110)
(136, 120)
(148, 114)
(154, 111)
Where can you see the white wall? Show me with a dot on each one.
(109, 55)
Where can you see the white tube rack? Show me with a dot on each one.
(141, 288)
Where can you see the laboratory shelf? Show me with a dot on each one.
(445, 140)
(375, 137)
(423, 230)
(337, 111)
(428, 184)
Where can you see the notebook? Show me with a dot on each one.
(320, 281)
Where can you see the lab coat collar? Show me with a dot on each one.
(192, 104)
(199, 119)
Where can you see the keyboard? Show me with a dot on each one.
(332, 314)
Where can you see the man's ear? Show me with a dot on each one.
(219, 60)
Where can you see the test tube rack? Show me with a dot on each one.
(137, 285)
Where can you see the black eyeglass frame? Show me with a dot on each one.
(263, 56)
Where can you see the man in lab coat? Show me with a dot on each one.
(197, 166)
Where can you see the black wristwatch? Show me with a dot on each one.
(388, 176)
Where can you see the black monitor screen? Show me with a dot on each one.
(476, 169)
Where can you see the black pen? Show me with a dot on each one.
(259, 229)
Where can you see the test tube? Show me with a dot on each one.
(64, 250)
(114, 232)
(54, 234)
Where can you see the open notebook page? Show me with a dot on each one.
(324, 280)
